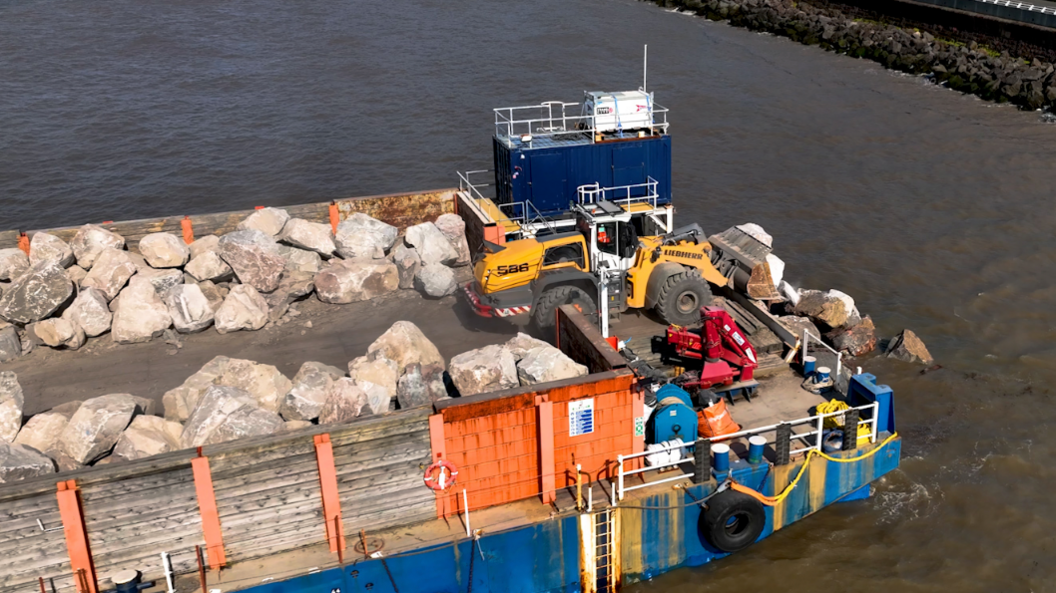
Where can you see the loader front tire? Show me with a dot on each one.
(681, 297)
(544, 314)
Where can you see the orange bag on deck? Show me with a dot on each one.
(714, 421)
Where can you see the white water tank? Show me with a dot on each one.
(615, 112)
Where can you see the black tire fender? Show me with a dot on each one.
(733, 521)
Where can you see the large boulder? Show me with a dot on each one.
(141, 315)
(454, 228)
(405, 344)
(301, 260)
(311, 385)
(797, 325)
(521, 344)
(96, 426)
(377, 376)
(36, 294)
(313, 236)
(360, 236)
(345, 401)
(146, 436)
(164, 280)
(90, 311)
(350, 281)
(12, 263)
(293, 286)
(491, 368)
(243, 309)
(420, 387)
(89, 243)
(180, 402)
(435, 280)
(269, 221)
(225, 414)
(60, 332)
(11, 403)
(431, 244)
(857, 340)
(18, 462)
(110, 273)
(209, 266)
(189, 309)
(822, 307)
(10, 344)
(42, 431)
(213, 293)
(407, 264)
(76, 274)
(164, 250)
(542, 365)
(204, 245)
(907, 347)
(47, 248)
(263, 382)
(255, 258)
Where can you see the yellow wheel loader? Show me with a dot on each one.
(668, 273)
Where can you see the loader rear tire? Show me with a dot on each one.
(544, 314)
(681, 297)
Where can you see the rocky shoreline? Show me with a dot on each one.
(965, 67)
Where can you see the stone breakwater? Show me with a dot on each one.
(968, 68)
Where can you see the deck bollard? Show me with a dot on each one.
(702, 459)
(755, 449)
(722, 457)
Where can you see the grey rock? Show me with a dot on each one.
(89, 311)
(209, 266)
(293, 425)
(254, 257)
(96, 426)
(141, 315)
(60, 332)
(11, 404)
(76, 274)
(10, 345)
(13, 262)
(857, 340)
(345, 401)
(405, 344)
(454, 228)
(435, 280)
(189, 309)
(522, 343)
(377, 376)
(18, 462)
(822, 307)
(243, 309)
(420, 387)
(213, 294)
(301, 260)
(407, 264)
(350, 281)
(111, 272)
(431, 244)
(146, 436)
(36, 294)
(313, 236)
(181, 401)
(164, 250)
(269, 221)
(164, 280)
(89, 243)
(263, 382)
(203, 245)
(47, 248)
(360, 236)
(293, 286)
(907, 347)
(67, 409)
(491, 368)
(797, 325)
(309, 392)
(225, 414)
(542, 365)
(42, 431)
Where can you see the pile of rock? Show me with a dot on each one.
(63, 294)
(521, 361)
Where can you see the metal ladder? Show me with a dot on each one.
(603, 552)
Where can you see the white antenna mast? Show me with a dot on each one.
(645, 69)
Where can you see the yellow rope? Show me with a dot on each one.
(771, 501)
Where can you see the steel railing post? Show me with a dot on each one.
(876, 420)
(619, 478)
(821, 426)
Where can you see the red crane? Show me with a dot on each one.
(723, 347)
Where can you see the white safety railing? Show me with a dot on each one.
(468, 184)
(626, 195)
(817, 422)
(805, 345)
(1021, 6)
(556, 120)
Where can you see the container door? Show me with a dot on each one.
(628, 165)
(548, 183)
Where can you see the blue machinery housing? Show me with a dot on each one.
(653, 534)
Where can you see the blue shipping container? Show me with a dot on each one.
(549, 175)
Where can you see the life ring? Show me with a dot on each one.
(441, 481)
(733, 521)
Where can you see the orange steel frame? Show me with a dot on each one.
(203, 487)
(76, 537)
(324, 457)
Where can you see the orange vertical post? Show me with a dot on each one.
(188, 230)
(203, 487)
(23, 243)
(545, 416)
(335, 217)
(81, 561)
(324, 458)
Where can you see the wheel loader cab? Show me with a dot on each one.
(613, 242)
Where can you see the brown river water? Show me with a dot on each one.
(934, 210)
